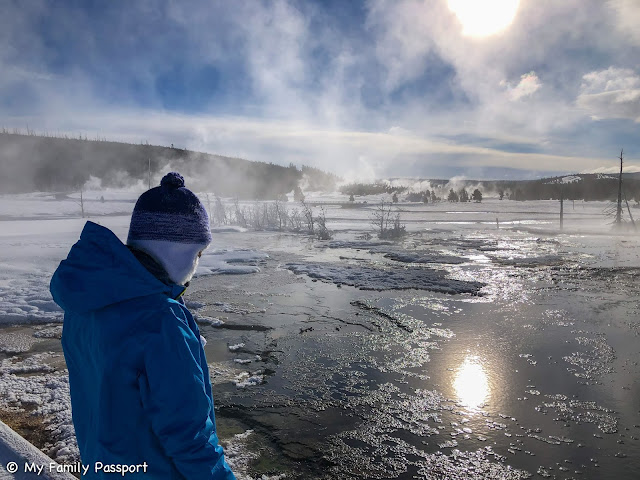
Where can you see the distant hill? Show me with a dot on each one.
(40, 163)
(582, 186)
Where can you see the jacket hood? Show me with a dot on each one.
(101, 271)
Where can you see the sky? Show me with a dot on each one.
(493, 89)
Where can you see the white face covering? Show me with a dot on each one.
(189, 275)
(180, 260)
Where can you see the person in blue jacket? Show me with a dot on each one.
(138, 376)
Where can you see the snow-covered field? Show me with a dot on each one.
(485, 344)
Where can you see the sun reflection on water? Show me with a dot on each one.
(471, 383)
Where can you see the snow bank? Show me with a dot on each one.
(44, 395)
(32, 364)
(48, 331)
(30, 251)
(368, 278)
(45, 205)
(239, 457)
(27, 300)
(224, 262)
(14, 448)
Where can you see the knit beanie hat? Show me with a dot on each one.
(170, 223)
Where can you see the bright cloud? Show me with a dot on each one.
(611, 93)
(628, 18)
(615, 170)
(528, 85)
(610, 80)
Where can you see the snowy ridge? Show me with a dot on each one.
(571, 179)
(565, 180)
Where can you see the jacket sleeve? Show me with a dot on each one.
(176, 400)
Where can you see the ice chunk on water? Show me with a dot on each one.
(369, 278)
(220, 262)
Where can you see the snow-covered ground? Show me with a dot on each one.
(283, 327)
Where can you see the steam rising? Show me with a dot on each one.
(33, 163)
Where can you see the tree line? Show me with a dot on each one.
(588, 187)
(30, 162)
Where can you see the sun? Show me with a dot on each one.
(484, 18)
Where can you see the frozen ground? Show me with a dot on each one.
(469, 349)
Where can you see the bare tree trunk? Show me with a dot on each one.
(561, 207)
(209, 206)
(619, 208)
(630, 216)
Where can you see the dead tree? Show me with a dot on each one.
(209, 206)
(380, 217)
(281, 214)
(618, 221)
(633, 223)
(561, 206)
(81, 201)
(307, 213)
(240, 216)
(323, 231)
(219, 212)
(295, 220)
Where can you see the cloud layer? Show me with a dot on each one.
(366, 89)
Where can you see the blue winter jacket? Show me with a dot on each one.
(139, 381)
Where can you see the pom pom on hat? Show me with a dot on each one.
(172, 179)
